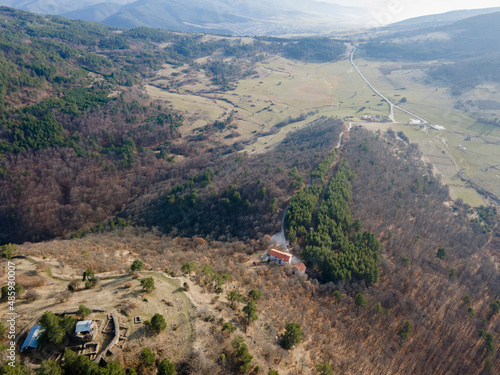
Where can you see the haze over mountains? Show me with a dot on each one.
(441, 18)
(252, 17)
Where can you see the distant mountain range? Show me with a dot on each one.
(440, 19)
(469, 38)
(233, 16)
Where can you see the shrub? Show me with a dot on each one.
(148, 284)
(136, 266)
(6, 251)
(157, 323)
(406, 331)
(255, 294)
(293, 335)
(147, 357)
(188, 267)
(324, 369)
(166, 368)
(64, 296)
(83, 311)
(338, 295)
(74, 286)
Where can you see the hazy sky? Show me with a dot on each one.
(398, 10)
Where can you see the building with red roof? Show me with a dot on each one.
(301, 268)
(280, 257)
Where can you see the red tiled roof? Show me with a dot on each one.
(285, 257)
(300, 267)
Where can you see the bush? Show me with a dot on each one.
(136, 266)
(255, 294)
(166, 368)
(148, 284)
(360, 300)
(83, 311)
(338, 295)
(157, 323)
(147, 357)
(6, 251)
(324, 369)
(293, 335)
(74, 286)
(406, 331)
(89, 278)
(64, 296)
(188, 267)
(18, 289)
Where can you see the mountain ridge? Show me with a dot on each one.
(240, 17)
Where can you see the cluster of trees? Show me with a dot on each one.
(323, 168)
(336, 245)
(321, 221)
(73, 364)
(315, 49)
(56, 328)
(463, 75)
(223, 72)
(111, 225)
(207, 278)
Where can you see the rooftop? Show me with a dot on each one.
(285, 257)
(32, 338)
(83, 326)
(300, 267)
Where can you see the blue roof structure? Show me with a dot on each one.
(32, 338)
(83, 326)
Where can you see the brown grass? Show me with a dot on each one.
(30, 281)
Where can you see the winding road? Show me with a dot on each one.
(391, 104)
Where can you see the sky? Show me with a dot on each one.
(397, 10)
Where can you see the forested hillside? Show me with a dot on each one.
(236, 196)
(432, 311)
(76, 128)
